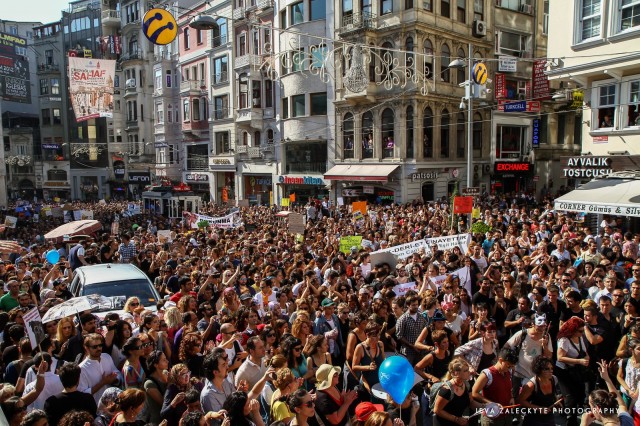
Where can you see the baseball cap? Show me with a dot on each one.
(326, 303)
(365, 409)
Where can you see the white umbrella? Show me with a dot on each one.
(76, 305)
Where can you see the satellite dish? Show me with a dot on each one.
(203, 22)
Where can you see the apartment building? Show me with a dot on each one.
(400, 134)
(595, 60)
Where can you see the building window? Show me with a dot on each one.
(285, 108)
(297, 106)
(318, 103)
(460, 72)
(428, 59)
(590, 16)
(269, 137)
(198, 37)
(409, 58)
(545, 17)
(255, 42)
(427, 5)
(317, 9)
(318, 55)
(242, 44)
(220, 70)
(477, 135)
(408, 4)
(348, 135)
(347, 11)
(221, 106)
(410, 132)
(219, 33)
(57, 118)
(196, 109)
(386, 6)
(44, 86)
(169, 78)
(445, 8)
(445, 60)
(268, 94)
(297, 60)
(243, 82)
(461, 11)
(478, 10)
(256, 138)
(367, 8)
(445, 131)
(256, 95)
(513, 44)
(157, 79)
(629, 14)
(388, 133)
(160, 113)
(297, 13)
(427, 133)
(185, 38)
(46, 117)
(606, 106)
(460, 135)
(367, 135)
(170, 113)
(222, 142)
(510, 140)
(634, 103)
(185, 110)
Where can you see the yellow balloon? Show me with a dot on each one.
(159, 26)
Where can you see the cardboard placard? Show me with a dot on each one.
(359, 206)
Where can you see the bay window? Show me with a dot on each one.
(510, 142)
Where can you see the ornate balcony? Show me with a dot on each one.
(111, 18)
(193, 87)
(251, 61)
(356, 22)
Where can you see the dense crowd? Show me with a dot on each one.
(259, 326)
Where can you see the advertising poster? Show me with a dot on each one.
(15, 85)
(91, 87)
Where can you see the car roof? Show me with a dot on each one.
(110, 272)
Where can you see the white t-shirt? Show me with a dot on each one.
(529, 351)
(91, 373)
(52, 386)
(570, 349)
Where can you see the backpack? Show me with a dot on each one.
(519, 341)
(435, 388)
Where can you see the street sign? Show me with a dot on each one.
(473, 190)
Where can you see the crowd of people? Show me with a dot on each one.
(258, 326)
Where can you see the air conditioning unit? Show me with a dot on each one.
(526, 8)
(131, 83)
(479, 28)
(486, 169)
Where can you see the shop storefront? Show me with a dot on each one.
(137, 182)
(304, 188)
(199, 183)
(223, 173)
(118, 184)
(512, 176)
(52, 189)
(257, 189)
(89, 185)
(372, 183)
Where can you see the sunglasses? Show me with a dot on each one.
(309, 404)
(271, 335)
(298, 348)
(94, 347)
(134, 304)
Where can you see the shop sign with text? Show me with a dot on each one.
(425, 175)
(517, 167)
(139, 178)
(300, 180)
(197, 177)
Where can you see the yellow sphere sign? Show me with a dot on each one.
(480, 73)
(159, 26)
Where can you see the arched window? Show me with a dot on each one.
(245, 138)
(427, 135)
(387, 59)
(367, 135)
(388, 134)
(460, 139)
(256, 138)
(410, 132)
(409, 60)
(460, 72)
(444, 133)
(445, 60)
(428, 58)
(347, 135)
(477, 135)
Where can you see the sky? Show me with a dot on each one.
(44, 11)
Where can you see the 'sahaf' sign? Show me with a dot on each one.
(512, 167)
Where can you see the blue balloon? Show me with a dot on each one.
(396, 377)
(53, 257)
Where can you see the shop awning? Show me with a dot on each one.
(361, 172)
(618, 194)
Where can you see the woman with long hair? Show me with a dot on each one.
(132, 370)
(156, 384)
(572, 352)
(368, 356)
(302, 406)
(481, 352)
(122, 331)
(66, 330)
(190, 353)
(454, 397)
(301, 328)
(151, 325)
(131, 310)
(296, 361)
(332, 406)
(629, 376)
(129, 404)
(173, 319)
(240, 410)
(540, 394)
(173, 405)
(317, 354)
(631, 313)
(271, 344)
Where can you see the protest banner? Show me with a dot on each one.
(402, 289)
(350, 241)
(284, 202)
(224, 222)
(10, 221)
(359, 206)
(115, 228)
(164, 236)
(35, 330)
(86, 215)
(77, 215)
(296, 223)
(451, 241)
(405, 250)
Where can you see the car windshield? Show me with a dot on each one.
(128, 288)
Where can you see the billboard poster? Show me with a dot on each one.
(15, 85)
(540, 80)
(91, 87)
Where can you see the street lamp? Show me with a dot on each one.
(460, 63)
